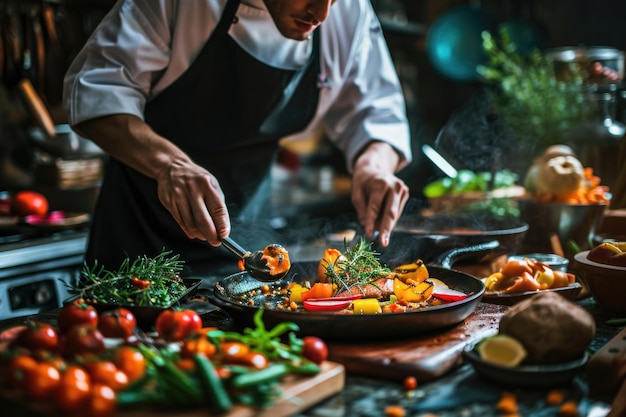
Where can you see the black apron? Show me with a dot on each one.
(227, 111)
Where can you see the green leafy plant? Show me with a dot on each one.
(529, 96)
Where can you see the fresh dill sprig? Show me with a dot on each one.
(358, 265)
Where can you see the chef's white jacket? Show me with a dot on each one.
(142, 46)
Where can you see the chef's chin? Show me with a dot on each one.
(297, 32)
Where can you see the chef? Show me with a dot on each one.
(190, 99)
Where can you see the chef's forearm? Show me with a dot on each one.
(131, 141)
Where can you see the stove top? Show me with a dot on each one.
(43, 247)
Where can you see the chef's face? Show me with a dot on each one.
(296, 19)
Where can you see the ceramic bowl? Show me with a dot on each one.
(569, 222)
(607, 283)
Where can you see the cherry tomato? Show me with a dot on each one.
(77, 312)
(197, 343)
(130, 361)
(82, 340)
(409, 383)
(26, 203)
(73, 389)
(314, 349)
(118, 323)
(37, 335)
(41, 381)
(176, 324)
(106, 373)
(16, 370)
(101, 401)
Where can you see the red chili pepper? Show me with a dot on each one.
(327, 304)
(448, 294)
(341, 298)
(140, 283)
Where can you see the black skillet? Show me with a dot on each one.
(233, 293)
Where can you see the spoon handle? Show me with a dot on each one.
(234, 247)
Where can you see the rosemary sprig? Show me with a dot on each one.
(358, 265)
(143, 282)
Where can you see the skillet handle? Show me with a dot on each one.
(448, 258)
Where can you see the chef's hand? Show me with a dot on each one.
(378, 195)
(194, 198)
(189, 192)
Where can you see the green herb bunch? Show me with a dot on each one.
(143, 282)
(529, 96)
(358, 265)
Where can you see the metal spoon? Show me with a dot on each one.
(254, 265)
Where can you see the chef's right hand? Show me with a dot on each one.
(189, 192)
(194, 198)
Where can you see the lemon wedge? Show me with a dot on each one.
(502, 350)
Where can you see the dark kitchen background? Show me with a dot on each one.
(39, 39)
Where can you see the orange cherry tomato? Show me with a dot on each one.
(101, 401)
(197, 343)
(73, 389)
(16, 370)
(230, 351)
(106, 373)
(130, 361)
(41, 381)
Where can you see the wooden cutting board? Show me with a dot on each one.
(425, 358)
(298, 393)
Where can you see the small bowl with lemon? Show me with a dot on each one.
(500, 358)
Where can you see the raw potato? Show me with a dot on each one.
(551, 328)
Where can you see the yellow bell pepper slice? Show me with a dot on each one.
(413, 293)
(295, 293)
(411, 273)
(366, 306)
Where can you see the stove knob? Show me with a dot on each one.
(42, 295)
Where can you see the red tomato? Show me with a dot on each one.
(26, 203)
(82, 340)
(41, 381)
(77, 312)
(314, 349)
(37, 335)
(119, 323)
(176, 324)
(130, 361)
(101, 401)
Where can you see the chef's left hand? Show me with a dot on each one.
(378, 195)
